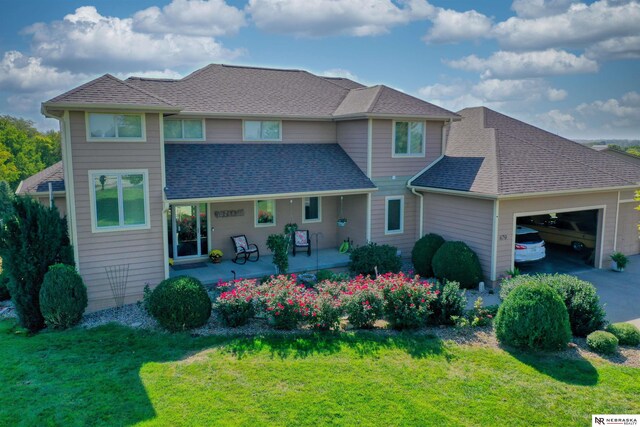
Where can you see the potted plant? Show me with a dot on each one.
(618, 261)
(215, 255)
(342, 222)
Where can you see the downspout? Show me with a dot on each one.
(413, 190)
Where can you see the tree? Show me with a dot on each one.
(33, 238)
(6, 201)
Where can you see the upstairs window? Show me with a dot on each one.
(184, 130)
(265, 130)
(408, 139)
(312, 209)
(115, 127)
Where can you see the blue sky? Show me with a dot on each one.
(567, 66)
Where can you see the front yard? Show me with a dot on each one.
(113, 375)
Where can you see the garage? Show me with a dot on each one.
(570, 239)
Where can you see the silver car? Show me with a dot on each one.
(529, 245)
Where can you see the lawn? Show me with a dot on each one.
(118, 376)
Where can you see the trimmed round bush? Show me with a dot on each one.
(533, 316)
(423, 252)
(364, 259)
(456, 262)
(602, 342)
(583, 304)
(180, 303)
(63, 297)
(450, 301)
(626, 333)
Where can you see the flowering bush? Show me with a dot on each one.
(286, 302)
(326, 311)
(235, 307)
(406, 300)
(362, 301)
(450, 302)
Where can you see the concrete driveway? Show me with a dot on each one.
(620, 292)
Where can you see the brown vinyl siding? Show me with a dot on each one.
(462, 219)
(509, 208)
(229, 131)
(141, 249)
(628, 239)
(353, 138)
(60, 202)
(354, 209)
(383, 162)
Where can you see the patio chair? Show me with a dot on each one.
(244, 250)
(301, 240)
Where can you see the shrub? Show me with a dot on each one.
(423, 252)
(63, 297)
(329, 275)
(449, 301)
(286, 302)
(180, 303)
(480, 315)
(362, 302)
(235, 307)
(533, 316)
(4, 287)
(279, 245)
(456, 262)
(406, 300)
(626, 333)
(34, 237)
(583, 304)
(602, 342)
(326, 311)
(364, 259)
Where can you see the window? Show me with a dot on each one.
(266, 130)
(394, 214)
(311, 209)
(408, 139)
(177, 130)
(265, 213)
(120, 200)
(110, 127)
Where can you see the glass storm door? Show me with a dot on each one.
(189, 225)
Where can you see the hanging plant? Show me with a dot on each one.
(342, 221)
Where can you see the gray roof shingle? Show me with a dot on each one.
(197, 171)
(39, 183)
(490, 153)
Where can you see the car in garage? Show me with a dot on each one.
(529, 245)
(579, 235)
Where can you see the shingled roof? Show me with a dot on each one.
(489, 153)
(230, 170)
(39, 183)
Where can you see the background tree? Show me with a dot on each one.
(33, 238)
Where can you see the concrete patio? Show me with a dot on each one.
(209, 273)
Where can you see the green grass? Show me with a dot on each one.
(117, 376)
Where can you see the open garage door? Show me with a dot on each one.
(570, 238)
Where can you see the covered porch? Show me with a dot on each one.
(210, 274)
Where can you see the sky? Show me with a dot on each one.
(567, 66)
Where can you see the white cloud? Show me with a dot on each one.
(556, 94)
(581, 25)
(27, 74)
(317, 18)
(626, 107)
(88, 41)
(190, 17)
(339, 72)
(631, 98)
(503, 64)
(615, 48)
(559, 122)
(450, 26)
(539, 8)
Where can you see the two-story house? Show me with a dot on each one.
(159, 169)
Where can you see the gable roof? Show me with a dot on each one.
(109, 90)
(259, 169)
(39, 183)
(489, 153)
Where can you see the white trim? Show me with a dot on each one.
(421, 219)
(275, 196)
(368, 230)
(311, 221)
(209, 229)
(615, 230)
(165, 205)
(522, 195)
(92, 198)
(494, 241)
(143, 128)
(386, 215)
(255, 213)
(409, 155)
(369, 148)
(627, 201)
(262, 140)
(601, 236)
(69, 184)
(47, 108)
(183, 139)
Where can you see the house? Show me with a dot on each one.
(160, 168)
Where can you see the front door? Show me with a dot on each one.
(189, 231)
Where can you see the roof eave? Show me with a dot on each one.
(454, 192)
(257, 116)
(568, 192)
(394, 116)
(47, 107)
(275, 195)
